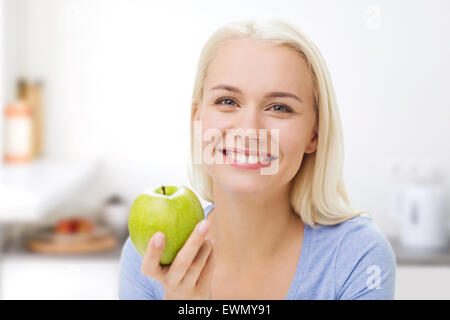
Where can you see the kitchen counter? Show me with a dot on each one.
(29, 275)
(416, 256)
(404, 255)
(113, 254)
(21, 251)
(31, 190)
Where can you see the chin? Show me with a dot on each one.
(233, 181)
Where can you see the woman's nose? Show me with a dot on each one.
(247, 124)
(248, 118)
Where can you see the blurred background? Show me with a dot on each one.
(93, 93)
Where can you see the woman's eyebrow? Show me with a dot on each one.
(275, 94)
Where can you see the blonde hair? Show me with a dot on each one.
(318, 193)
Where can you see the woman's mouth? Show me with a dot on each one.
(246, 159)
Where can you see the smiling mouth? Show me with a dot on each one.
(246, 157)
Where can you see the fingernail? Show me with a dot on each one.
(203, 226)
(158, 240)
(210, 240)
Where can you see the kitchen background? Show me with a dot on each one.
(99, 90)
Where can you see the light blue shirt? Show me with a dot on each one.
(350, 260)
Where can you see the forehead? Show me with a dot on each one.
(258, 66)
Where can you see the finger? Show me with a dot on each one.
(187, 253)
(205, 278)
(150, 263)
(192, 274)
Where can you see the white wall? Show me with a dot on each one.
(119, 77)
(2, 67)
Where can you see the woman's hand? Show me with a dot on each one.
(189, 276)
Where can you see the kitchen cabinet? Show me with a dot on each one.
(33, 276)
(421, 273)
(29, 191)
(423, 282)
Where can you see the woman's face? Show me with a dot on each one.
(236, 95)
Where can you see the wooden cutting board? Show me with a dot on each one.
(93, 245)
(53, 243)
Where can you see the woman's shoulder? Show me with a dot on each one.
(207, 208)
(353, 242)
(361, 236)
(363, 259)
(355, 231)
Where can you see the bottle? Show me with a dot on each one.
(34, 101)
(17, 129)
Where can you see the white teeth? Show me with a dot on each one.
(241, 158)
(231, 155)
(252, 159)
(263, 159)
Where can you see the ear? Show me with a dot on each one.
(312, 146)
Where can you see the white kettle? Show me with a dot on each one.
(420, 209)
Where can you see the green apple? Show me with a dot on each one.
(173, 210)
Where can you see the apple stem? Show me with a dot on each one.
(163, 189)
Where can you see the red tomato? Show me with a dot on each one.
(65, 226)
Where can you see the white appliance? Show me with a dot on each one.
(420, 209)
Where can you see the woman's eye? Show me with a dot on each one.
(281, 108)
(228, 101)
(277, 107)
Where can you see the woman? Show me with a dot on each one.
(291, 234)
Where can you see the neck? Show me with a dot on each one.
(251, 230)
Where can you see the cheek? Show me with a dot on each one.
(292, 148)
(214, 120)
(292, 143)
(211, 133)
(215, 124)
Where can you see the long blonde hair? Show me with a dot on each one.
(318, 193)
